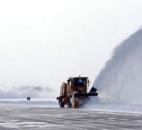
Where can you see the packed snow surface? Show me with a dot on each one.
(35, 102)
(15, 118)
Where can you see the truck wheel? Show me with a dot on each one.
(69, 105)
(61, 103)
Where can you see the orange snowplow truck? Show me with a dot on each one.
(74, 92)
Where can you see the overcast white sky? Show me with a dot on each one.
(43, 42)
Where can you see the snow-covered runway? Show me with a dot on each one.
(42, 118)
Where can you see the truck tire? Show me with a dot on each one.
(61, 103)
(69, 105)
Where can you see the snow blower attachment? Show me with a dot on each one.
(74, 92)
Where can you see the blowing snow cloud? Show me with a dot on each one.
(121, 78)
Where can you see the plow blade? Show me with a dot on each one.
(85, 94)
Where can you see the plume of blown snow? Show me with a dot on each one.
(121, 78)
(24, 91)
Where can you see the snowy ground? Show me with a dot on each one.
(48, 103)
(115, 107)
(36, 118)
(45, 115)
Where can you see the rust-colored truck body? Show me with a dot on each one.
(74, 92)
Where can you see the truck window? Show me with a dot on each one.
(79, 82)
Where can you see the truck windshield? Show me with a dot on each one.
(79, 82)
